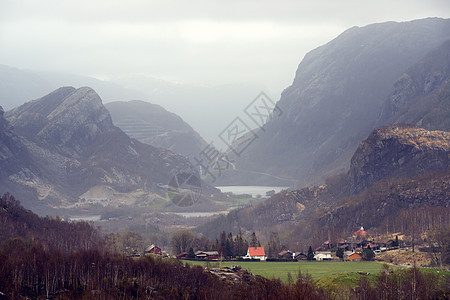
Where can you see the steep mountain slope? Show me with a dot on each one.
(335, 99)
(381, 175)
(421, 95)
(79, 153)
(153, 125)
(16, 163)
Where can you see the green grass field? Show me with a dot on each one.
(317, 269)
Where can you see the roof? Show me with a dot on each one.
(354, 255)
(149, 248)
(256, 251)
(284, 252)
(360, 232)
(207, 253)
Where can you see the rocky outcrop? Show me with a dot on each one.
(398, 152)
(70, 138)
(153, 125)
(335, 99)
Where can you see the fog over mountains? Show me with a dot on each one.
(65, 146)
(336, 100)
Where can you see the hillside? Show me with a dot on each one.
(78, 157)
(153, 125)
(334, 102)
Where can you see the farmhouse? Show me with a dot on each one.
(255, 253)
(354, 257)
(285, 254)
(153, 249)
(301, 256)
(183, 255)
(322, 255)
(212, 255)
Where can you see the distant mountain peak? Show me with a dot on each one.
(67, 117)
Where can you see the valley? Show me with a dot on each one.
(350, 165)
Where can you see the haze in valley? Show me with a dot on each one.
(203, 60)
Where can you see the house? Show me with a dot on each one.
(301, 256)
(361, 233)
(183, 255)
(285, 254)
(322, 255)
(211, 255)
(153, 249)
(255, 253)
(355, 256)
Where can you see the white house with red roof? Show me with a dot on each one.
(255, 253)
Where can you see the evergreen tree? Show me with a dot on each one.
(310, 255)
(254, 240)
(340, 253)
(240, 245)
(367, 254)
(191, 253)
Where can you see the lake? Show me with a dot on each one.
(253, 190)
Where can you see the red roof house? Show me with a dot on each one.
(255, 253)
(354, 257)
(361, 233)
(153, 249)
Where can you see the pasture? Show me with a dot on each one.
(317, 269)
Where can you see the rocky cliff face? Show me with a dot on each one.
(153, 125)
(70, 137)
(335, 99)
(398, 152)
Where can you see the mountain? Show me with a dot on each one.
(421, 95)
(334, 102)
(78, 154)
(153, 125)
(18, 86)
(394, 168)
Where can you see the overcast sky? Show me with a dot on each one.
(200, 42)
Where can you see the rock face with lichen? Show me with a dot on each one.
(73, 148)
(398, 152)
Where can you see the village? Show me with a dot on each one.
(360, 245)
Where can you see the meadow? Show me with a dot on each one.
(317, 269)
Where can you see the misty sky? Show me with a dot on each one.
(195, 42)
